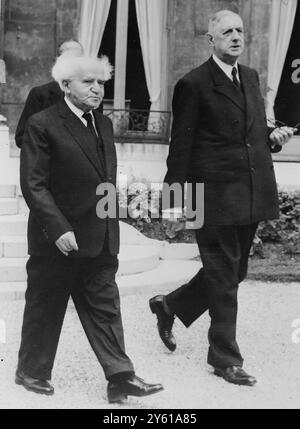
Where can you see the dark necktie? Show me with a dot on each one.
(234, 77)
(99, 145)
(90, 125)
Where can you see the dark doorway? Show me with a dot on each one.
(108, 45)
(287, 104)
(136, 87)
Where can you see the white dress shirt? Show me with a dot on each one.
(227, 68)
(78, 112)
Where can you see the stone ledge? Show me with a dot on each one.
(168, 275)
(8, 191)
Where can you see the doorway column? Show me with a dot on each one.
(121, 54)
(2, 64)
(4, 131)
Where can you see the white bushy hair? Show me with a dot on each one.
(67, 68)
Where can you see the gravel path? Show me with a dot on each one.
(266, 313)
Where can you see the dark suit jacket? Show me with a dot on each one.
(39, 98)
(220, 138)
(59, 177)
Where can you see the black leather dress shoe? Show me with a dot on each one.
(164, 322)
(133, 386)
(34, 384)
(235, 375)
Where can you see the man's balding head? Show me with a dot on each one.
(71, 48)
(216, 18)
(226, 35)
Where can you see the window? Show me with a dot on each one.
(287, 103)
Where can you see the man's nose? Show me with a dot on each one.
(236, 35)
(96, 87)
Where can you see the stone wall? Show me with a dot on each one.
(32, 31)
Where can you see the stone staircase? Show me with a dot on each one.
(143, 262)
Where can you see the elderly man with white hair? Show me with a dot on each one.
(68, 151)
(43, 96)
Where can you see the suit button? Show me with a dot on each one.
(248, 145)
(252, 169)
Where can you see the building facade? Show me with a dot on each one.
(31, 32)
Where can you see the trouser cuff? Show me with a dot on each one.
(114, 370)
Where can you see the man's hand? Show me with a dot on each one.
(66, 243)
(280, 136)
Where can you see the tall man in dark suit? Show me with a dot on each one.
(68, 151)
(220, 138)
(43, 96)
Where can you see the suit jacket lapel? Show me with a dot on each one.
(107, 139)
(223, 85)
(250, 90)
(81, 136)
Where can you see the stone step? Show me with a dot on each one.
(8, 191)
(17, 225)
(137, 259)
(132, 260)
(183, 251)
(9, 170)
(12, 269)
(13, 246)
(9, 206)
(12, 291)
(13, 225)
(23, 208)
(130, 235)
(167, 276)
(16, 247)
(13, 237)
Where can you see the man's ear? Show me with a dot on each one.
(210, 39)
(66, 86)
